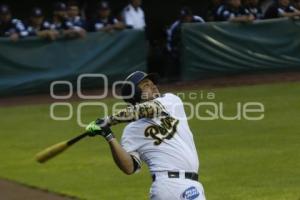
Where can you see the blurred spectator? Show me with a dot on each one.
(265, 4)
(61, 23)
(37, 26)
(232, 10)
(174, 39)
(281, 8)
(173, 33)
(252, 8)
(133, 15)
(9, 27)
(60, 17)
(212, 9)
(73, 12)
(104, 20)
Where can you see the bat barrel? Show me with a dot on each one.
(50, 152)
(56, 149)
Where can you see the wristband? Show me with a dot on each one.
(109, 137)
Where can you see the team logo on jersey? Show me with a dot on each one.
(190, 194)
(165, 130)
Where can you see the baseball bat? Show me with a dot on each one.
(58, 148)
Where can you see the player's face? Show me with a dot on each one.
(253, 2)
(37, 21)
(73, 11)
(104, 13)
(284, 2)
(149, 90)
(235, 3)
(61, 14)
(188, 18)
(216, 2)
(136, 3)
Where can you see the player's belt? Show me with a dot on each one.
(187, 175)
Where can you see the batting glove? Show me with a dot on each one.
(98, 127)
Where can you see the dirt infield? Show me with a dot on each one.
(14, 191)
(228, 81)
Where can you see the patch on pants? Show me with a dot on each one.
(190, 193)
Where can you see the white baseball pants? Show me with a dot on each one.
(165, 188)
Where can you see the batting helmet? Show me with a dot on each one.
(130, 91)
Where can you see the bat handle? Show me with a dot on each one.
(76, 139)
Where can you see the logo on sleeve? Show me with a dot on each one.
(165, 130)
(190, 194)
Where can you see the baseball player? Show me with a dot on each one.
(281, 8)
(38, 26)
(9, 26)
(252, 7)
(62, 24)
(232, 10)
(104, 20)
(134, 16)
(158, 134)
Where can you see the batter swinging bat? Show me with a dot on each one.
(56, 149)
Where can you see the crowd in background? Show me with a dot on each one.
(249, 10)
(68, 20)
(239, 11)
(244, 11)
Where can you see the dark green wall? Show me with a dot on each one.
(32, 64)
(218, 49)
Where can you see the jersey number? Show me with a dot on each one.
(164, 131)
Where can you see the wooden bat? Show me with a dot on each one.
(58, 148)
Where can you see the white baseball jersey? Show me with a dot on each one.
(134, 17)
(164, 143)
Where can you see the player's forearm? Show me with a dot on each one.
(243, 18)
(119, 26)
(43, 34)
(122, 159)
(75, 32)
(148, 109)
(292, 14)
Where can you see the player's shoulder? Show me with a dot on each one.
(15, 20)
(169, 100)
(220, 9)
(291, 8)
(174, 26)
(46, 24)
(197, 18)
(131, 125)
(169, 96)
(134, 127)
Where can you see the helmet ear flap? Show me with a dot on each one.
(137, 94)
(131, 93)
